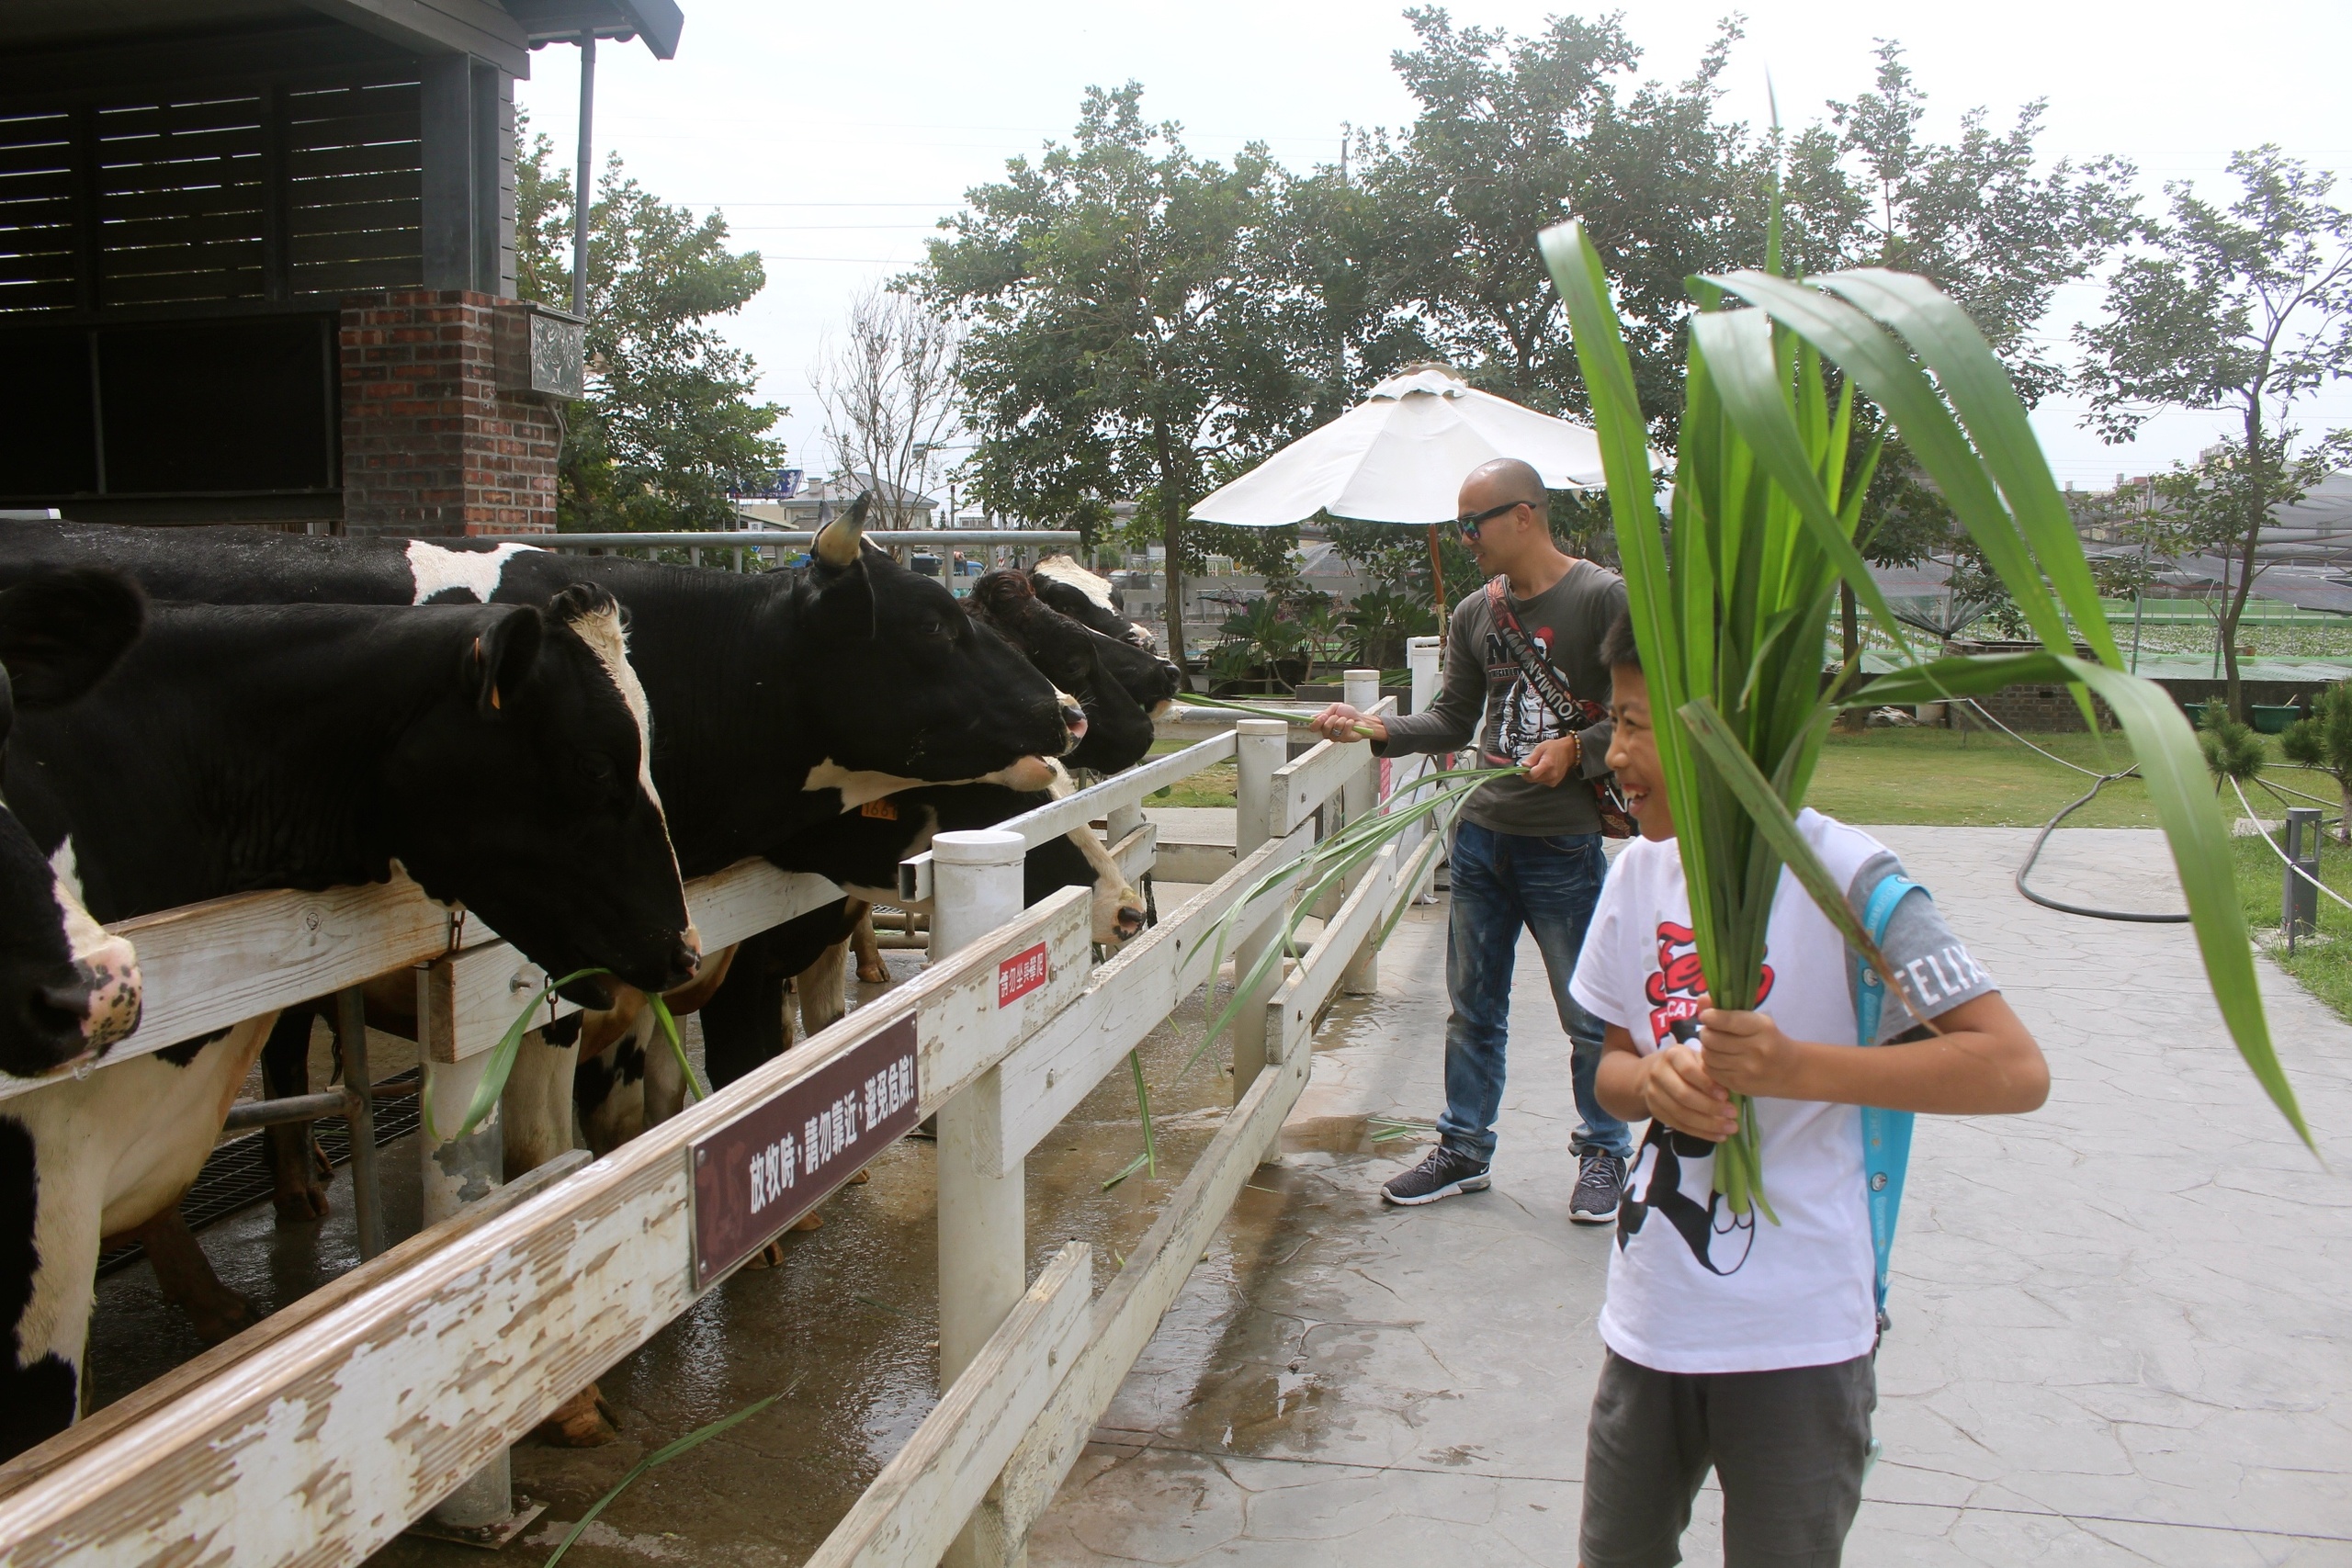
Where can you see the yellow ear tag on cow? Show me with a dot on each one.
(882, 808)
(493, 697)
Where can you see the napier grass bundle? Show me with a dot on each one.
(1731, 587)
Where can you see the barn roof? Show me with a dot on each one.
(501, 31)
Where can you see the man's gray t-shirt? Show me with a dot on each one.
(1485, 693)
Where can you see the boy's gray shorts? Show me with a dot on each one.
(1787, 1445)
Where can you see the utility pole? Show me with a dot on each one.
(579, 196)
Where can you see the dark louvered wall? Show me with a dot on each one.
(269, 194)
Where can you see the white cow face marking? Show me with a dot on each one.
(1097, 589)
(1062, 569)
(601, 630)
(438, 571)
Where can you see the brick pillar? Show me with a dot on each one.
(431, 442)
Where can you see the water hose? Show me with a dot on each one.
(2098, 781)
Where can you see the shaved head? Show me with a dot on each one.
(1501, 480)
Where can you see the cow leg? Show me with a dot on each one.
(300, 1170)
(609, 1092)
(1118, 909)
(742, 1024)
(822, 1000)
(870, 967)
(536, 1108)
(49, 1259)
(187, 1280)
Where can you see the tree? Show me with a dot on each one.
(2324, 741)
(1990, 225)
(668, 426)
(1121, 336)
(891, 397)
(2246, 308)
(1515, 134)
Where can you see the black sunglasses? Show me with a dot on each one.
(1471, 525)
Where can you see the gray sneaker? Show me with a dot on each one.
(1445, 1172)
(1600, 1185)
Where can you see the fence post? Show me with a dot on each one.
(1421, 660)
(458, 1171)
(1360, 797)
(2299, 900)
(359, 1090)
(1262, 747)
(1422, 656)
(983, 1251)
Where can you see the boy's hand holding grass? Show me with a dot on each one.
(1747, 1053)
(1672, 1085)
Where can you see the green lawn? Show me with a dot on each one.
(1212, 786)
(1978, 780)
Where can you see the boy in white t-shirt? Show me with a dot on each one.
(1735, 1343)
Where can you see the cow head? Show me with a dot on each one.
(911, 685)
(1088, 598)
(526, 793)
(1117, 685)
(68, 987)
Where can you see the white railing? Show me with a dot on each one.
(320, 1435)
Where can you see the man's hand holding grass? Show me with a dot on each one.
(1341, 722)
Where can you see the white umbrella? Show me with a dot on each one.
(1401, 455)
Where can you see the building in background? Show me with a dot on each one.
(258, 263)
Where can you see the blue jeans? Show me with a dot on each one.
(1502, 881)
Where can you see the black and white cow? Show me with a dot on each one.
(1089, 599)
(496, 753)
(1094, 667)
(749, 1021)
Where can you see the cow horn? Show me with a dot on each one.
(839, 542)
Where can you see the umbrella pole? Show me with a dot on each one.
(1437, 578)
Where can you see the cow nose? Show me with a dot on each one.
(89, 1006)
(686, 957)
(1073, 716)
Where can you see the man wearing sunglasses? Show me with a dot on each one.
(1527, 853)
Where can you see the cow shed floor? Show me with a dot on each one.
(2117, 1324)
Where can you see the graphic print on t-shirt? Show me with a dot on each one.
(1519, 719)
(1717, 1239)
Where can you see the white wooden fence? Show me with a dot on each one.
(318, 1436)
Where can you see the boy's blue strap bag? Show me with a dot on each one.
(1886, 1135)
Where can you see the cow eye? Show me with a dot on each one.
(593, 766)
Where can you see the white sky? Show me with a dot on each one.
(835, 136)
